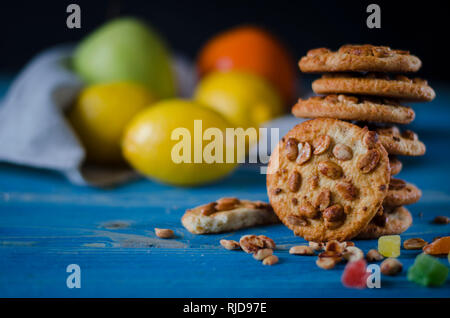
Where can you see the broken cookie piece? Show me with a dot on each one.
(228, 214)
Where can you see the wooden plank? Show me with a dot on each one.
(47, 223)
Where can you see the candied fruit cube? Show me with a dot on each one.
(389, 245)
(355, 274)
(427, 271)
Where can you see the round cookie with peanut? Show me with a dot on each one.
(327, 179)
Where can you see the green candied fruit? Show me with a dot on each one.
(427, 271)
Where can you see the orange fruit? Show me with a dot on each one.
(251, 49)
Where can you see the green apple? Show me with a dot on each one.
(126, 49)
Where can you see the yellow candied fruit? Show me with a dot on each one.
(389, 245)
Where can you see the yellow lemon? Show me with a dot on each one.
(245, 99)
(178, 142)
(100, 115)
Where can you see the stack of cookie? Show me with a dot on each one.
(362, 84)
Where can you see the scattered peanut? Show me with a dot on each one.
(270, 260)
(301, 250)
(268, 242)
(414, 244)
(352, 254)
(334, 246)
(441, 220)
(164, 233)
(262, 254)
(326, 262)
(252, 243)
(391, 267)
(316, 246)
(230, 244)
(336, 256)
(373, 256)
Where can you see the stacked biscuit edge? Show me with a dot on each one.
(366, 85)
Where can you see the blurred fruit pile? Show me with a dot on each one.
(129, 111)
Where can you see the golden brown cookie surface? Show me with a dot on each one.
(327, 179)
(404, 143)
(359, 58)
(348, 107)
(399, 86)
(401, 193)
(393, 221)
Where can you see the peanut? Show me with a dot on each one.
(369, 161)
(373, 256)
(352, 253)
(414, 244)
(230, 244)
(304, 153)
(330, 169)
(301, 250)
(263, 253)
(270, 260)
(321, 144)
(164, 233)
(342, 152)
(391, 267)
(294, 181)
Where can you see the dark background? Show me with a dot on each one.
(28, 27)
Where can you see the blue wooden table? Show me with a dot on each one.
(47, 224)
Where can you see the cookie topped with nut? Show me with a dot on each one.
(375, 84)
(327, 179)
(352, 107)
(359, 58)
(390, 221)
(398, 142)
(228, 214)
